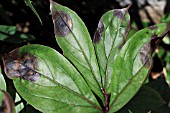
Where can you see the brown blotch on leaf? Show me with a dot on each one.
(153, 27)
(21, 65)
(62, 23)
(98, 33)
(120, 13)
(145, 55)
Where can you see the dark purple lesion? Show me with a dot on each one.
(145, 55)
(121, 13)
(62, 23)
(153, 27)
(98, 33)
(21, 65)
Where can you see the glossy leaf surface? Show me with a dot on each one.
(48, 81)
(74, 39)
(133, 64)
(108, 40)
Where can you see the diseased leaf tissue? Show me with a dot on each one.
(21, 65)
(102, 76)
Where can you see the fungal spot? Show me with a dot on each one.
(98, 33)
(153, 27)
(62, 23)
(120, 13)
(19, 65)
(145, 55)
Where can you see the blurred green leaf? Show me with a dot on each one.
(29, 3)
(19, 104)
(9, 34)
(2, 82)
(166, 18)
(166, 40)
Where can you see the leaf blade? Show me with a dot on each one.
(29, 3)
(109, 38)
(74, 39)
(54, 80)
(2, 81)
(135, 62)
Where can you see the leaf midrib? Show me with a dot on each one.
(82, 51)
(129, 82)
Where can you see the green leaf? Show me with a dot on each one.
(2, 81)
(6, 103)
(20, 105)
(74, 39)
(48, 81)
(108, 40)
(9, 34)
(133, 64)
(29, 3)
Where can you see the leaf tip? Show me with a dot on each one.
(120, 13)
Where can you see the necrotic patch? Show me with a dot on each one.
(62, 23)
(145, 55)
(21, 65)
(98, 33)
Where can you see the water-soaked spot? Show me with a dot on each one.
(21, 65)
(145, 55)
(98, 33)
(62, 23)
(153, 27)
